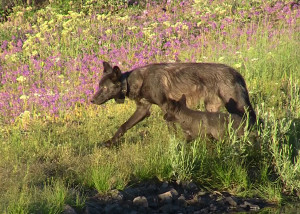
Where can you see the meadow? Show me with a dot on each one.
(51, 62)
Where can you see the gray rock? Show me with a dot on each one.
(164, 185)
(231, 201)
(153, 202)
(93, 210)
(249, 206)
(213, 207)
(192, 186)
(140, 201)
(112, 208)
(68, 210)
(181, 201)
(167, 208)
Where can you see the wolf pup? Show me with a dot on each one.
(217, 84)
(198, 123)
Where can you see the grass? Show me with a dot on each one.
(50, 154)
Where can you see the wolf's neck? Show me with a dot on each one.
(124, 83)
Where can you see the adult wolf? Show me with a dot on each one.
(217, 84)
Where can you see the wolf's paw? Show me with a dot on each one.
(107, 144)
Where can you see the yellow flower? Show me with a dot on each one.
(24, 97)
(167, 23)
(21, 79)
(34, 53)
(221, 59)
(185, 27)
(25, 114)
(108, 31)
(238, 65)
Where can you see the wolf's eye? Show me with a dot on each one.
(104, 87)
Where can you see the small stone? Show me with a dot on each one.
(231, 201)
(112, 208)
(69, 210)
(249, 206)
(140, 201)
(93, 210)
(174, 192)
(192, 186)
(167, 197)
(153, 202)
(116, 195)
(167, 208)
(213, 207)
(164, 185)
(181, 201)
(201, 193)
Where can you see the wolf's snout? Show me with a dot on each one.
(92, 101)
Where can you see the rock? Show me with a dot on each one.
(164, 186)
(113, 208)
(167, 197)
(116, 195)
(231, 201)
(249, 206)
(192, 186)
(202, 193)
(152, 188)
(140, 201)
(93, 210)
(68, 210)
(153, 202)
(213, 207)
(177, 197)
(174, 192)
(170, 208)
(181, 201)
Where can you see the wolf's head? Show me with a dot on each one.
(110, 85)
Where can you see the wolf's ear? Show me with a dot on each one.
(182, 100)
(169, 117)
(107, 67)
(116, 74)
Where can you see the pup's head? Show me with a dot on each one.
(173, 108)
(110, 86)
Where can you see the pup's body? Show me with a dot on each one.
(198, 123)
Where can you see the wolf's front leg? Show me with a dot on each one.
(142, 111)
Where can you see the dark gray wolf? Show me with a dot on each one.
(198, 123)
(217, 84)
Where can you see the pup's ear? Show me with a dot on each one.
(107, 67)
(182, 100)
(169, 117)
(116, 74)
